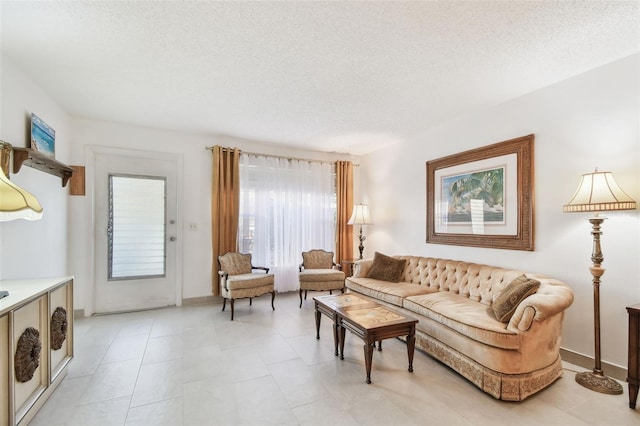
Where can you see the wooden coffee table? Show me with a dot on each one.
(327, 305)
(368, 320)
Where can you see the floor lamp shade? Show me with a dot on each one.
(360, 216)
(597, 192)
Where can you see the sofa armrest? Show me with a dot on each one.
(361, 268)
(552, 298)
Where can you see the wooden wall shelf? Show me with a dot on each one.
(37, 160)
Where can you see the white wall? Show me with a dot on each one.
(587, 121)
(33, 249)
(195, 208)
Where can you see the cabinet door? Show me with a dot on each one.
(61, 328)
(32, 316)
(5, 411)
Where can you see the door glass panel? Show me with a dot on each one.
(136, 228)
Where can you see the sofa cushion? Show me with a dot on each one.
(467, 317)
(515, 292)
(386, 268)
(392, 293)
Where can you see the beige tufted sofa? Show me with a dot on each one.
(452, 301)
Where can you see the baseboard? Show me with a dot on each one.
(79, 313)
(587, 362)
(201, 300)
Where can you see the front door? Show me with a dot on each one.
(135, 232)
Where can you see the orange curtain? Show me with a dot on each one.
(344, 195)
(225, 206)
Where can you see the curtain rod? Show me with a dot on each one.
(210, 148)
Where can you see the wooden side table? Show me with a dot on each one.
(347, 266)
(633, 370)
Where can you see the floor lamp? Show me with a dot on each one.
(598, 192)
(360, 216)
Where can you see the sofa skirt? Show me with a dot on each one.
(507, 387)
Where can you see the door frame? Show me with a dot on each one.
(91, 151)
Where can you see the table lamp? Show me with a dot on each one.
(360, 216)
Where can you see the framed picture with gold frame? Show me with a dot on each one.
(483, 197)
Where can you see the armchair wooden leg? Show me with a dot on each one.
(232, 309)
(300, 298)
(342, 290)
(250, 300)
(273, 296)
(330, 292)
(305, 295)
(224, 303)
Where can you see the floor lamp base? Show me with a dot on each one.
(599, 383)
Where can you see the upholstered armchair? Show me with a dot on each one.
(237, 280)
(318, 272)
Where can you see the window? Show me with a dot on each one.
(286, 207)
(136, 227)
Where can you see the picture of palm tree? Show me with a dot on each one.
(485, 185)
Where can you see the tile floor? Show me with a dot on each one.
(193, 366)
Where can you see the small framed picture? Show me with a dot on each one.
(43, 137)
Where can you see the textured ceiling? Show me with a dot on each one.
(330, 76)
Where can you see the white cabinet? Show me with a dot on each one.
(36, 344)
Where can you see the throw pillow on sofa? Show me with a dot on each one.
(386, 268)
(515, 292)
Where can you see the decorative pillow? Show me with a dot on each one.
(515, 292)
(386, 268)
(235, 263)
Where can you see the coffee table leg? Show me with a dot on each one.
(317, 323)
(335, 337)
(342, 335)
(411, 344)
(633, 395)
(379, 345)
(368, 358)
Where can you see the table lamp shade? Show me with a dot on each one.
(16, 203)
(360, 215)
(598, 191)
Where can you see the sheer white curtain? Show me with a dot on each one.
(286, 207)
